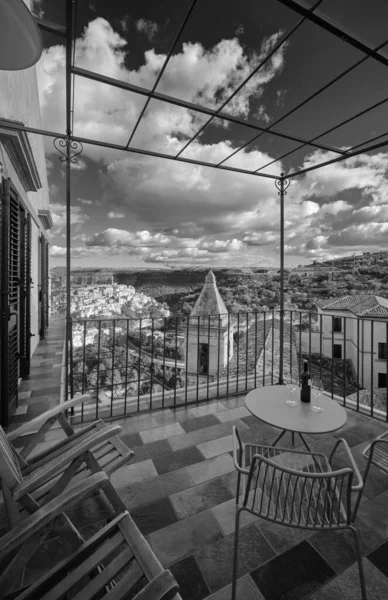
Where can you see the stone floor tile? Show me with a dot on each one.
(160, 433)
(153, 516)
(293, 575)
(347, 585)
(216, 560)
(233, 413)
(207, 409)
(280, 537)
(185, 537)
(246, 590)
(215, 447)
(200, 497)
(225, 514)
(192, 585)
(161, 486)
(178, 459)
(194, 423)
(132, 473)
(213, 467)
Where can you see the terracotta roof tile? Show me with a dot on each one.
(362, 305)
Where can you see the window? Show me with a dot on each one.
(337, 351)
(382, 381)
(337, 324)
(383, 350)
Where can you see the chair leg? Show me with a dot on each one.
(359, 560)
(364, 477)
(235, 554)
(238, 488)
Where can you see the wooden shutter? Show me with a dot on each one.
(45, 282)
(43, 286)
(11, 219)
(25, 308)
(40, 309)
(3, 303)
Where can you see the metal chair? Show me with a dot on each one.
(297, 489)
(377, 454)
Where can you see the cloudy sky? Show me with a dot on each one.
(132, 210)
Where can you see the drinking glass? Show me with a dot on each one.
(316, 391)
(292, 386)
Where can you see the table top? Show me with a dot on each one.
(268, 404)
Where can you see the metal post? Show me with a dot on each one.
(69, 35)
(282, 185)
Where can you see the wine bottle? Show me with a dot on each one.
(305, 378)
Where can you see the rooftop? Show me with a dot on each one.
(363, 305)
(209, 301)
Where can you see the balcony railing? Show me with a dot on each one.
(134, 365)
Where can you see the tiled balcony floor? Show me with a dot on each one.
(41, 389)
(180, 490)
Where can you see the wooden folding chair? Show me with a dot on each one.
(29, 485)
(115, 564)
(114, 452)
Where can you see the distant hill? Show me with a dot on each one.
(367, 259)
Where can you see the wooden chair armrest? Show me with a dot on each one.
(360, 482)
(33, 523)
(54, 468)
(162, 587)
(34, 425)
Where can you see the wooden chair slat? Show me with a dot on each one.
(120, 446)
(130, 579)
(106, 575)
(51, 468)
(116, 464)
(163, 587)
(10, 471)
(42, 458)
(146, 558)
(85, 567)
(62, 569)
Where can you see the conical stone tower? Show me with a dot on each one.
(210, 331)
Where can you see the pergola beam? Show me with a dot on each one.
(326, 23)
(196, 108)
(335, 160)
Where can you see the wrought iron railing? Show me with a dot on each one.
(133, 365)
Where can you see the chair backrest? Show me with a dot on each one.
(9, 465)
(295, 488)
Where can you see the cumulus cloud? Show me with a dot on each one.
(115, 215)
(199, 75)
(206, 213)
(361, 235)
(122, 238)
(58, 212)
(150, 28)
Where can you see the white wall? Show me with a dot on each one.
(357, 330)
(19, 101)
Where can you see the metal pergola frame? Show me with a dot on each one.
(73, 144)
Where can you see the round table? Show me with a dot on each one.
(268, 404)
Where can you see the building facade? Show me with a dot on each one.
(356, 327)
(24, 221)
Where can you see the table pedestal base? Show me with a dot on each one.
(292, 437)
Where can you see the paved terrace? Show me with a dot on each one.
(180, 490)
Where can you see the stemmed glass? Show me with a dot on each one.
(316, 390)
(292, 386)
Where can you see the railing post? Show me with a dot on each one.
(282, 184)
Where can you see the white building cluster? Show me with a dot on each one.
(108, 301)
